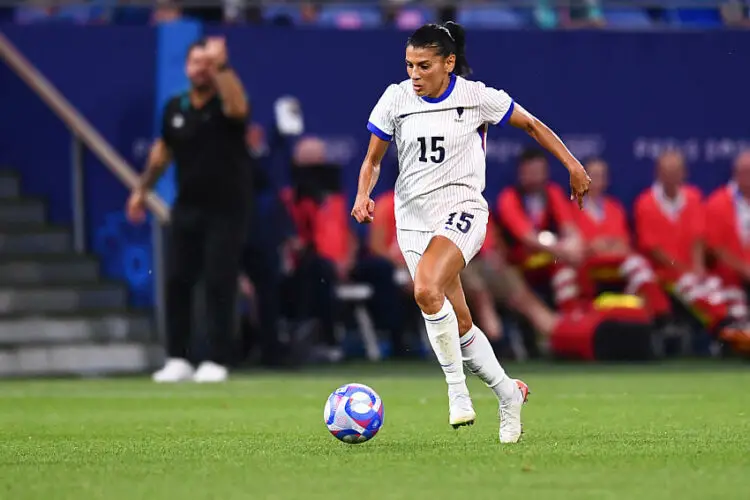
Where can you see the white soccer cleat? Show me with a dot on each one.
(461, 409)
(510, 415)
(209, 372)
(174, 370)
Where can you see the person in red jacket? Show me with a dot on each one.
(323, 252)
(609, 256)
(385, 268)
(584, 333)
(728, 237)
(670, 222)
(537, 226)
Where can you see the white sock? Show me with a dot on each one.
(442, 330)
(480, 360)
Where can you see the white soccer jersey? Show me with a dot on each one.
(441, 146)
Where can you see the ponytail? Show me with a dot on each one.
(458, 35)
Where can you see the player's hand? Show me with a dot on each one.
(135, 209)
(216, 50)
(579, 184)
(363, 209)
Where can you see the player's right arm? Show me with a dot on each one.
(364, 206)
(382, 126)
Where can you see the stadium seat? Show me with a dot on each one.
(411, 18)
(695, 18)
(489, 16)
(76, 14)
(627, 18)
(277, 12)
(358, 294)
(350, 16)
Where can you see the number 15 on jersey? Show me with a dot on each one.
(433, 146)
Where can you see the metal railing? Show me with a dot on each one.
(82, 134)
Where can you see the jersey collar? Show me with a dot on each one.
(444, 95)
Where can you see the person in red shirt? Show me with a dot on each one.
(537, 226)
(385, 268)
(609, 256)
(584, 333)
(728, 237)
(382, 238)
(323, 253)
(670, 230)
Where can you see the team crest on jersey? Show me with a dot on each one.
(460, 112)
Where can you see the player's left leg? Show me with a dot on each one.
(479, 358)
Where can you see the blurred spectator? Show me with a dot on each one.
(670, 229)
(728, 236)
(609, 257)
(309, 12)
(537, 224)
(585, 333)
(324, 252)
(736, 13)
(260, 282)
(579, 14)
(385, 268)
(165, 11)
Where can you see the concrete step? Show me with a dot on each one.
(34, 239)
(97, 326)
(83, 359)
(10, 184)
(22, 211)
(38, 270)
(62, 298)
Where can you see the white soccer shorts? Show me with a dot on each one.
(466, 226)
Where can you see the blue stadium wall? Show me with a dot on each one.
(620, 95)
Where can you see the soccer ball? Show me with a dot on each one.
(353, 413)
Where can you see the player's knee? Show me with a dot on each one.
(429, 298)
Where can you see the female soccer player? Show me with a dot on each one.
(441, 215)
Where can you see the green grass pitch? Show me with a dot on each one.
(677, 431)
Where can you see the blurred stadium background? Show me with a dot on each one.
(83, 83)
(81, 88)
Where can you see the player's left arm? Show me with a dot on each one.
(542, 134)
(228, 84)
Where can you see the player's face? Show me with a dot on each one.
(533, 175)
(742, 173)
(599, 177)
(197, 68)
(429, 72)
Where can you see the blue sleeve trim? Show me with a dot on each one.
(375, 130)
(506, 117)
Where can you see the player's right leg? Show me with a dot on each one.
(433, 262)
(480, 359)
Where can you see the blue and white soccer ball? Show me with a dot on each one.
(354, 413)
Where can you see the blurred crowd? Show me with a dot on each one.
(551, 280)
(403, 14)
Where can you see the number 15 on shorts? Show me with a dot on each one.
(463, 223)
